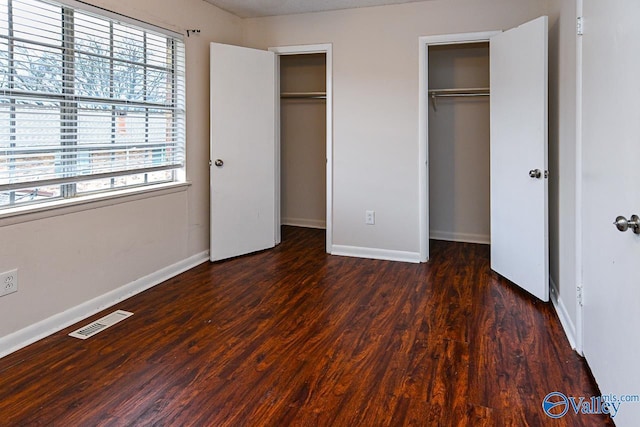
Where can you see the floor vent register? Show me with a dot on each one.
(100, 325)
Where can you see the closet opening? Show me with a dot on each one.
(458, 142)
(303, 140)
(478, 157)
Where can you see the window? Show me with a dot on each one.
(88, 103)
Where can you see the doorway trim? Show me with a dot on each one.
(579, 325)
(423, 126)
(302, 50)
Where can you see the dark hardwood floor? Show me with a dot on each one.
(293, 336)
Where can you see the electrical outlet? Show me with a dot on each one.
(370, 217)
(8, 282)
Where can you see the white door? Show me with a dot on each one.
(519, 218)
(242, 150)
(611, 173)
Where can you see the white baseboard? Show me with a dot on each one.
(57, 322)
(563, 314)
(384, 254)
(308, 223)
(460, 237)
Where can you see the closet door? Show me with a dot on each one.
(242, 150)
(519, 184)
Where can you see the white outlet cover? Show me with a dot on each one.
(8, 282)
(370, 217)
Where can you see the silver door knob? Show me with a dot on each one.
(623, 224)
(535, 173)
(219, 163)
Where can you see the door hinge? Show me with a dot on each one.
(579, 26)
(579, 296)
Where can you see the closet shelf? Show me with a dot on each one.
(301, 95)
(462, 92)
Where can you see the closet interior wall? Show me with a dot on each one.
(459, 144)
(303, 140)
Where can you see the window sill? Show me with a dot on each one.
(93, 201)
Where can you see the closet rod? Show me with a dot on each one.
(451, 93)
(309, 95)
(478, 91)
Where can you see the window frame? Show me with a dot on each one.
(69, 114)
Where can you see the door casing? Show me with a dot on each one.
(423, 127)
(302, 50)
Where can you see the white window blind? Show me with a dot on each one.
(88, 103)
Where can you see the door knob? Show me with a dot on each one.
(623, 224)
(535, 173)
(219, 163)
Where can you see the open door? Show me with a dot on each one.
(610, 173)
(242, 150)
(519, 184)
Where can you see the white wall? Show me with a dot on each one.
(375, 75)
(64, 261)
(562, 158)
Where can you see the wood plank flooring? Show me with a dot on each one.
(293, 336)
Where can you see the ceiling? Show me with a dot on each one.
(257, 8)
